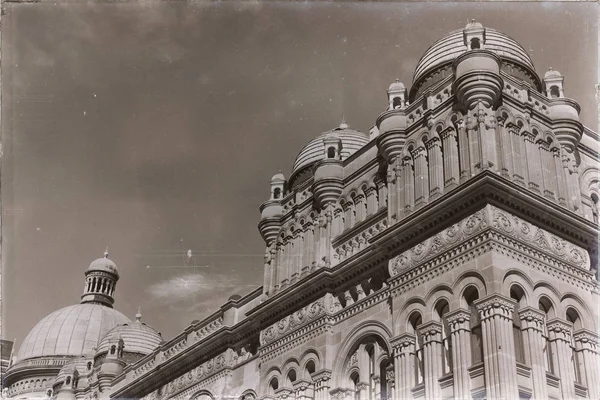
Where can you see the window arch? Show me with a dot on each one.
(470, 295)
(331, 152)
(414, 320)
(113, 349)
(574, 318)
(442, 308)
(545, 305)
(554, 92)
(517, 293)
(291, 377)
(277, 193)
(397, 103)
(273, 386)
(475, 44)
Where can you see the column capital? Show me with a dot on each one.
(532, 318)
(495, 305)
(404, 344)
(430, 331)
(321, 377)
(283, 393)
(559, 329)
(458, 320)
(301, 384)
(362, 386)
(586, 340)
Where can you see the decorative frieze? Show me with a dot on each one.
(207, 329)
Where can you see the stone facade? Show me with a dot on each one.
(452, 255)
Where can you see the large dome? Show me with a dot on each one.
(352, 141)
(444, 51)
(71, 331)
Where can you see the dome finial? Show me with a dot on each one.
(343, 124)
(106, 252)
(138, 316)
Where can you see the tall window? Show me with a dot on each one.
(442, 308)
(554, 92)
(331, 152)
(475, 44)
(573, 317)
(310, 369)
(470, 295)
(545, 305)
(397, 103)
(595, 207)
(517, 294)
(415, 320)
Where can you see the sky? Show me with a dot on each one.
(154, 127)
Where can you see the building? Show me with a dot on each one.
(448, 253)
(6, 347)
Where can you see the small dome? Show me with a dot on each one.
(104, 264)
(473, 25)
(552, 73)
(71, 331)
(137, 338)
(444, 51)
(278, 177)
(397, 85)
(352, 141)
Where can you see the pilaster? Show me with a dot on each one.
(560, 332)
(499, 349)
(532, 328)
(586, 346)
(431, 333)
(460, 333)
(404, 347)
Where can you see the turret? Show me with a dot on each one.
(391, 124)
(100, 282)
(477, 79)
(329, 172)
(113, 364)
(564, 112)
(271, 210)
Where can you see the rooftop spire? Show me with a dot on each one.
(138, 316)
(106, 252)
(343, 124)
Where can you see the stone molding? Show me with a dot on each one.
(430, 332)
(321, 378)
(559, 329)
(503, 222)
(586, 340)
(458, 320)
(532, 318)
(296, 338)
(495, 305)
(403, 344)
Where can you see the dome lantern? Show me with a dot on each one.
(474, 36)
(397, 95)
(553, 84)
(100, 281)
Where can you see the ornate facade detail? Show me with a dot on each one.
(495, 305)
(208, 329)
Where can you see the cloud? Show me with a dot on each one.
(192, 287)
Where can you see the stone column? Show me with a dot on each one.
(431, 332)
(436, 168)
(391, 381)
(400, 204)
(451, 167)
(559, 332)
(392, 192)
(532, 164)
(586, 346)
(409, 184)
(518, 155)
(301, 388)
(421, 177)
(404, 365)
(321, 380)
(560, 177)
(532, 326)
(363, 368)
(500, 366)
(460, 334)
(463, 148)
(506, 166)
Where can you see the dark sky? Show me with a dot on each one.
(154, 128)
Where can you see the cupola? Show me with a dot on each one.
(396, 95)
(271, 210)
(553, 84)
(100, 281)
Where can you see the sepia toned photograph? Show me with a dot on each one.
(263, 200)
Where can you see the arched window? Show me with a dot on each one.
(331, 152)
(554, 92)
(595, 207)
(545, 305)
(475, 44)
(89, 365)
(355, 380)
(310, 369)
(573, 317)
(277, 193)
(442, 308)
(415, 320)
(68, 381)
(470, 295)
(396, 103)
(291, 377)
(517, 294)
(273, 386)
(113, 349)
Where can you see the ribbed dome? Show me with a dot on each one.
(445, 50)
(71, 331)
(104, 264)
(137, 338)
(352, 140)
